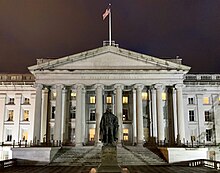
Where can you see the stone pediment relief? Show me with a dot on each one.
(106, 58)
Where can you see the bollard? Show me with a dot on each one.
(25, 144)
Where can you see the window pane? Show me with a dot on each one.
(125, 100)
(108, 99)
(26, 115)
(164, 96)
(206, 100)
(92, 99)
(144, 96)
(91, 134)
(10, 115)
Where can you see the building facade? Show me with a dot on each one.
(154, 100)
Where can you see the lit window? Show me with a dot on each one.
(191, 115)
(125, 100)
(10, 115)
(108, 99)
(54, 94)
(53, 112)
(125, 134)
(144, 96)
(91, 134)
(92, 99)
(125, 115)
(208, 134)
(72, 112)
(24, 135)
(164, 96)
(8, 135)
(206, 100)
(73, 95)
(26, 115)
(92, 115)
(208, 116)
(190, 100)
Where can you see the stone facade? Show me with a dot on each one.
(154, 99)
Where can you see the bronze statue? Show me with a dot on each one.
(109, 128)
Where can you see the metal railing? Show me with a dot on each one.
(7, 163)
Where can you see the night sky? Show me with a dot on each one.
(31, 29)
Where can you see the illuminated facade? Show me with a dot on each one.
(154, 100)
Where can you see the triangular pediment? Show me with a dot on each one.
(109, 57)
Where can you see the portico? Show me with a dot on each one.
(144, 92)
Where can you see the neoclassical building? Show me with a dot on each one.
(154, 99)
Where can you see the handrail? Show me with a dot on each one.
(7, 163)
(200, 162)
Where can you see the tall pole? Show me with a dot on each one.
(110, 26)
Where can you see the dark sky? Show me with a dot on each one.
(31, 29)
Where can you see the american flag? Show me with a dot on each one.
(106, 13)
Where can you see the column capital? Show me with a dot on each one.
(38, 85)
(139, 86)
(77, 86)
(179, 86)
(119, 86)
(158, 86)
(98, 85)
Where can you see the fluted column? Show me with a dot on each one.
(154, 111)
(58, 115)
(175, 114)
(99, 109)
(64, 127)
(37, 114)
(79, 107)
(180, 114)
(44, 114)
(119, 111)
(140, 126)
(160, 117)
(2, 118)
(83, 115)
(134, 117)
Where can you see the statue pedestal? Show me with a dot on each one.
(109, 160)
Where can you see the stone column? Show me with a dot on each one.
(37, 114)
(154, 111)
(175, 115)
(44, 114)
(200, 118)
(2, 117)
(64, 124)
(83, 115)
(160, 116)
(119, 111)
(58, 115)
(140, 126)
(78, 122)
(134, 117)
(99, 109)
(180, 114)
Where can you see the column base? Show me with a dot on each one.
(140, 143)
(135, 141)
(78, 145)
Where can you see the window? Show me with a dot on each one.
(125, 134)
(10, 115)
(164, 96)
(92, 99)
(92, 115)
(206, 100)
(108, 99)
(208, 116)
(11, 101)
(125, 100)
(72, 112)
(53, 95)
(26, 101)
(73, 95)
(191, 101)
(91, 134)
(125, 115)
(8, 135)
(26, 115)
(144, 96)
(53, 112)
(191, 115)
(208, 134)
(24, 135)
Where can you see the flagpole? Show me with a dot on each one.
(110, 26)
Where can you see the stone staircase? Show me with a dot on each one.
(91, 156)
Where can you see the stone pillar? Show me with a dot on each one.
(99, 109)
(200, 118)
(78, 122)
(154, 111)
(58, 115)
(2, 117)
(44, 114)
(83, 115)
(119, 111)
(140, 126)
(180, 114)
(134, 118)
(175, 115)
(37, 114)
(64, 124)
(17, 118)
(160, 116)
